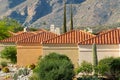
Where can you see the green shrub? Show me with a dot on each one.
(9, 53)
(34, 77)
(5, 70)
(115, 68)
(31, 66)
(55, 67)
(3, 64)
(109, 66)
(103, 67)
(85, 68)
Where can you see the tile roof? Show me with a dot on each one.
(16, 38)
(71, 37)
(103, 31)
(109, 37)
(38, 38)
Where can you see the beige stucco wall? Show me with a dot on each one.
(103, 51)
(27, 55)
(70, 50)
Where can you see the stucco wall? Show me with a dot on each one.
(27, 55)
(103, 51)
(70, 50)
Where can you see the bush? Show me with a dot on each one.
(5, 70)
(9, 53)
(103, 67)
(115, 68)
(85, 68)
(34, 77)
(3, 64)
(109, 67)
(54, 67)
(31, 66)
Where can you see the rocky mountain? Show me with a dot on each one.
(43, 13)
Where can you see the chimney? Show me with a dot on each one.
(52, 28)
(25, 29)
(57, 30)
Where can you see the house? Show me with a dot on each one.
(30, 49)
(108, 45)
(66, 44)
(11, 41)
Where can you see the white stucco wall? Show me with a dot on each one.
(103, 51)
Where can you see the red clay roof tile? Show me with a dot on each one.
(16, 38)
(109, 37)
(38, 38)
(71, 37)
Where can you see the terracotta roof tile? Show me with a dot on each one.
(109, 37)
(17, 37)
(38, 38)
(71, 37)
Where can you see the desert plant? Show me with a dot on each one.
(15, 76)
(31, 66)
(3, 64)
(85, 68)
(20, 72)
(25, 71)
(55, 67)
(5, 70)
(95, 59)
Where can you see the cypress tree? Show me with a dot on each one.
(95, 59)
(64, 20)
(71, 18)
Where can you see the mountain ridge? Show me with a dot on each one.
(43, 13)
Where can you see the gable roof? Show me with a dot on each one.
(109, 37)
(71, 37)
(16, 38)
(38, 38)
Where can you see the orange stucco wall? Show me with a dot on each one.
(27, 55)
